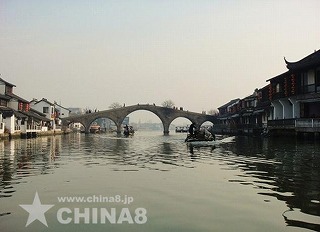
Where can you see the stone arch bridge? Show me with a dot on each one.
(166, 115)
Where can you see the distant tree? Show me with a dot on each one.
(115, 105)
(168, 104)
(213, 112)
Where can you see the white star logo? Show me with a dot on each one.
(36, 211)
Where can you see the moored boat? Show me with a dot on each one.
(182, 129)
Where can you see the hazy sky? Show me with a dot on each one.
(200, 54)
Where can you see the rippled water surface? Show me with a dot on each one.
(240, 184)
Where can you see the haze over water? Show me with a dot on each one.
(241, 184)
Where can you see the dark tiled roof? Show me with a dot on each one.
(250, 97)
(265, 87)
(18, 114)
(6, 111)
(63, 107)
(12, 95)
(5, 97)
(7, 83)
(229, 103)
(36, 117)
(37, 112)
(45, 100)
(308, 61)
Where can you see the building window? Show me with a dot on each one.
(277, 88)
(308, 81)
(8, 90)
(3, 102)
(45, 110)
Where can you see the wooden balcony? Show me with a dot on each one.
(281, 124)
(30, 128)
(298, 124)
(237, 129)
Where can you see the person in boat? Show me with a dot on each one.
(126, 130)
(192, 129)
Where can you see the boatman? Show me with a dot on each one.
(191, 129)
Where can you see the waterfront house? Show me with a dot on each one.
(52, 111)
(36, 122)
(295, 97)
(16, 115)
(263, 110)
(48, 109)
(61, 112)
(227, 117)
(11, 108)
(248, 115)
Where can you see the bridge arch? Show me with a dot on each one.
(100, 117)
(86, 122)
(152, 110)
(76, 127)
(180, 121)
(82, 121)
(204, 121)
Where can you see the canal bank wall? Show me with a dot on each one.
(20, 135)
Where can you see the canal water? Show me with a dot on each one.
(151, 182)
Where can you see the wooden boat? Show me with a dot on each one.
(201, 138)
(128, 131)
(182, 129)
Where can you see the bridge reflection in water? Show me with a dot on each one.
(165, 114)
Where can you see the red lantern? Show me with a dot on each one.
(285, 87)
(20, 106)
(270, 92)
